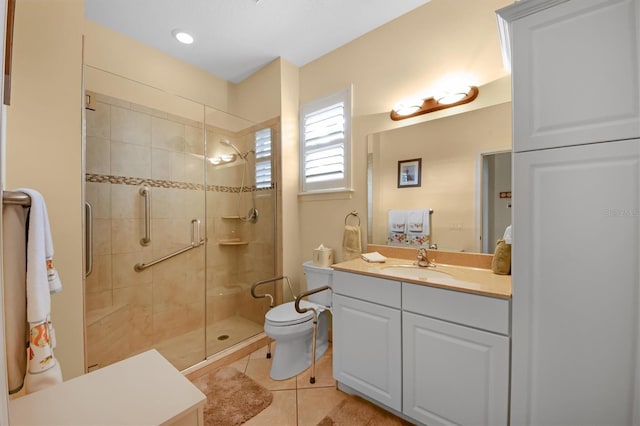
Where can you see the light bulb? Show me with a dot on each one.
(182, 37)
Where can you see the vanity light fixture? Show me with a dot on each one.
(432, 104)
(182, 37)
(449, 98)
(408, 107)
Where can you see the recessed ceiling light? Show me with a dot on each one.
(182, 37)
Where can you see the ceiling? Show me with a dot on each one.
(235, 38)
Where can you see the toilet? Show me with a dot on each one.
(293, 331)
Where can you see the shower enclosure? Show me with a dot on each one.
(181, 206)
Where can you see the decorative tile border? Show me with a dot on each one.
(154, 183)
(159, 183)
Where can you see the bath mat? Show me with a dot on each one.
(232, 397)
(355, 411)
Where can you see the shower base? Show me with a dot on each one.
(186, 350)
(229, 332)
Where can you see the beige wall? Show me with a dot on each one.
(386, 65)
(116, 64)
(257, 98)
(289, 216)
(101, 81)
(406, 56)
(44, 147)
(110, 51)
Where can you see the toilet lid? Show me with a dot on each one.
(286, 313)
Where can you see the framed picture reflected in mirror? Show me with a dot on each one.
(409, 173)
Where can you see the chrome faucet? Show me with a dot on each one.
(422, 258)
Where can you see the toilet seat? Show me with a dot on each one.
(286, 314)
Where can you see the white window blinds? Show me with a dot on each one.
(325, 143)
(263, 158)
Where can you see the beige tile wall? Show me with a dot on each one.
(167, 305)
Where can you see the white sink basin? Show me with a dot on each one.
(418, 273)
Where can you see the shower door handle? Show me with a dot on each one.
(88, 239)
(195, 233)
(145, 192)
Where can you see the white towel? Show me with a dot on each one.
(42, 280)
(374, 257)
(416, 221)
(426, 218)
(507, 235)
(397, 221)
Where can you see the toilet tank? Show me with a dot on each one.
(318, 276)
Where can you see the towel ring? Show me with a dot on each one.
(353, 213)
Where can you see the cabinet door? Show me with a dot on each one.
(576, 286)
(366, 349)
(454, 374)
(576, 74)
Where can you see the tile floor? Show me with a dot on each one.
(296, 402)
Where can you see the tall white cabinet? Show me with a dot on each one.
(576, 72)
(576, 211)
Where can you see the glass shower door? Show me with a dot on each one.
(241, 226)
(145, 183)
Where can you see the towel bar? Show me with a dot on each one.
(16, 197)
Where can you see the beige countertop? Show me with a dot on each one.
(463, 278)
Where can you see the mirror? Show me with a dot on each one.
(458, 159)
(495, 199)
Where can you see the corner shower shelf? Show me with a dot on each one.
(233, 242)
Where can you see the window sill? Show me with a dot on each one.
(328, 194)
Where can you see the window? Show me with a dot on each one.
(325, 143)
(263, 158)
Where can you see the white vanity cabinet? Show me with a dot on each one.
(455, 358)
(367, 336)
(576, 71)
(438, 356)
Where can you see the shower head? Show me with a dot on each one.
(228, 143)
(242, 155)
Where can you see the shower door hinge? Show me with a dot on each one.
(90, 101)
